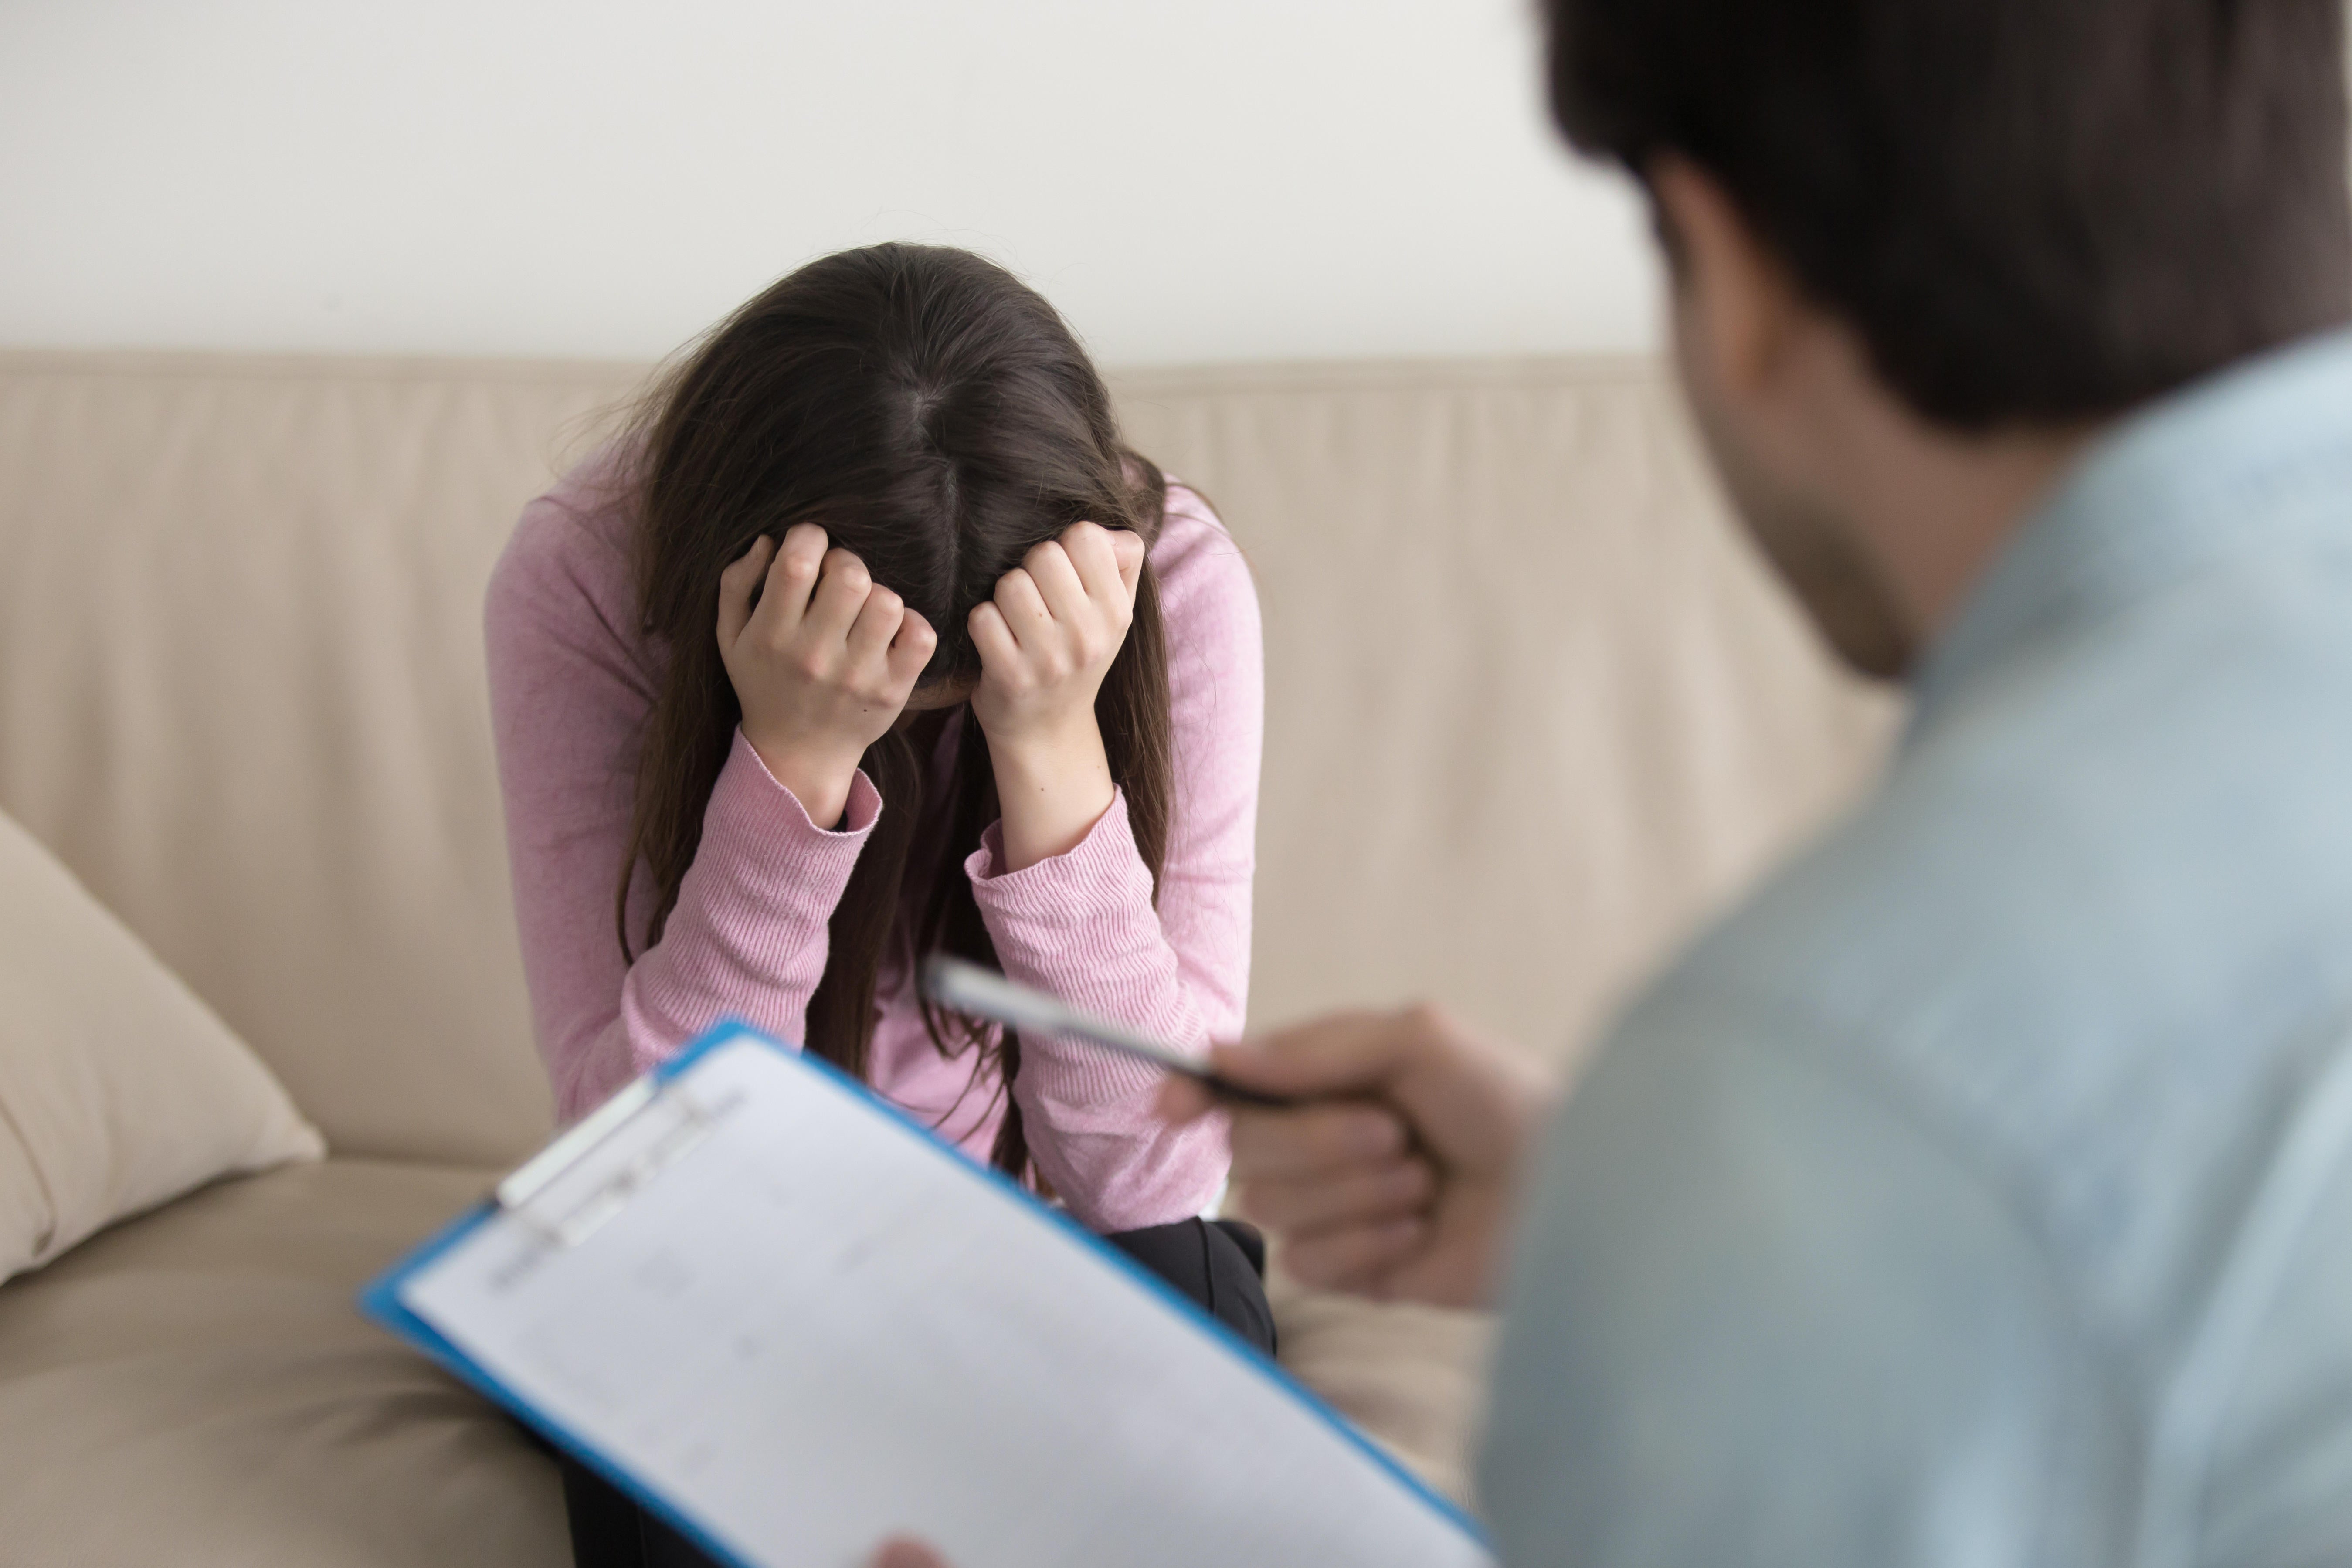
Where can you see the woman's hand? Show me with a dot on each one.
(1045, 642)
(822, 665)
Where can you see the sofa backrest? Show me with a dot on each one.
(1532, 708)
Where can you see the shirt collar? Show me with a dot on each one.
(2230, 467)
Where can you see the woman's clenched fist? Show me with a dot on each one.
(822, 664)
(1046, 639)
(1048, 636)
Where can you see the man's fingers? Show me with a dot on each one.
(1344, 1053)
(1351, 1257)
(1183, 1100)
(901, 1552)
(735, 586)
(1374, 1194)
(1334, 1135)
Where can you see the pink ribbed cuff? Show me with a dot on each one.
(751, 792)
(747, 935)
(1081, 926)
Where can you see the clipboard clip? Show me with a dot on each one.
(588, 1174)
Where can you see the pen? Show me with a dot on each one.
(967, 988)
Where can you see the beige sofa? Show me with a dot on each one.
(1532, 709)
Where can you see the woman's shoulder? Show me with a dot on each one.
(567, 565)
(1201, 571)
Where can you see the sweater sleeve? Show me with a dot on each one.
(570, 690)
(1083, 925)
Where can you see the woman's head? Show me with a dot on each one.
(937, 420)
(931, 413)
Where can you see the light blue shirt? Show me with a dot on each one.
(1979, 1193)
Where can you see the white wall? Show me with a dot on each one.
(1190, 180)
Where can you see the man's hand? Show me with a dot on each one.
(901, 1552)
(1045, 642)
(1397, 1179)
(822, 665)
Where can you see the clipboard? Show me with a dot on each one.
(1025, 1453)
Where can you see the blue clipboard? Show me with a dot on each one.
(380, 1300)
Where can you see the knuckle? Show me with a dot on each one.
(1315, 1263)
(1276, 1206)
(1426, 1019)
(1399, 1183)
(1366, 1133)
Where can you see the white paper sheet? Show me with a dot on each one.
(808, 1327)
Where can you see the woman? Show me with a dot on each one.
(873, 640)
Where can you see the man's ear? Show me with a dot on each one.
(1740, 305)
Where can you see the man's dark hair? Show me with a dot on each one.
(2030, 210)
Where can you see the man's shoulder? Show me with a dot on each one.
(2161, 790)
(2090, 932)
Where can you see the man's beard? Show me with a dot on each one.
(1815, 553)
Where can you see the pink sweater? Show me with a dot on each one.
(571, 682)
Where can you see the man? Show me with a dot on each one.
(1980, 1193)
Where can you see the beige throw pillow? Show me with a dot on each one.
(119, 1090)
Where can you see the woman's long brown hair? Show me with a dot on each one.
(938, 419)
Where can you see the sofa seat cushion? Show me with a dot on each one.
(197, 1387)
(1413, 1377)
